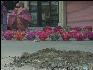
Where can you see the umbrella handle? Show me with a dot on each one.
(20, 25)
(18, 20)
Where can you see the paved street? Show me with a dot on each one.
(16, 48)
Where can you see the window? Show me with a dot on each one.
(10, 5)
(44, 13)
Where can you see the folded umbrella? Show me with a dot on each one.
(19, 19)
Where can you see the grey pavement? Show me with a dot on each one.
(16, 48)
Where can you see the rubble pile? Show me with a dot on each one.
(55, 59)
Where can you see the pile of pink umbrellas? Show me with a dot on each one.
(49, 33)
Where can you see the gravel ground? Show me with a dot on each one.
(14, 48)
(49, 59)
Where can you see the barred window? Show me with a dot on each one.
(10, 5)
(44, 13)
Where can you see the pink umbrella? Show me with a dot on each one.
(19, 18)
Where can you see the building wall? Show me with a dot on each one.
(80, 13)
